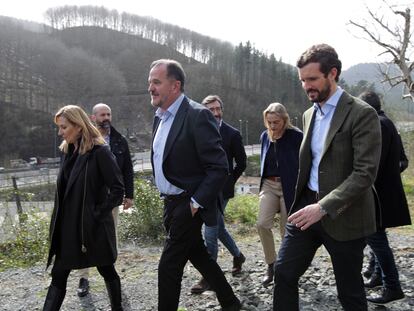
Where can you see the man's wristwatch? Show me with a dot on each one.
(322, 210)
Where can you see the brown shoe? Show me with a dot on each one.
(269, 275)
(200, 287)
(237, 264)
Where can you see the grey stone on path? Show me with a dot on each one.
(25, 289)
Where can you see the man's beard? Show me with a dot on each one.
(322, 95)
(104, 124)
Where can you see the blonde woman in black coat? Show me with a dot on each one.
(89, 186)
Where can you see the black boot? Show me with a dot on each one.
(374, 281)
(237, 264)
(387, 295)
(83, 288)
(54, 299)
(114, 293)
(269, 275)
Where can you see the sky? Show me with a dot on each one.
(284, 28)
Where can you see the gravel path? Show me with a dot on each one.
(25, 289)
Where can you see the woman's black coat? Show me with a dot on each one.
(82, 232)
(393, 203)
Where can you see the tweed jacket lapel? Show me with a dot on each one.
(308, 122)
(342, 109)
(305, 158)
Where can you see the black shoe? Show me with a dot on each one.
(200, 287)
(374, 281)
(368, 271)
(83, 288)
(387, 295)
(237, 264)
(234, 307)
(269, 275)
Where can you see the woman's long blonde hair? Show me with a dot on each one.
(89, 133)
(279, 110)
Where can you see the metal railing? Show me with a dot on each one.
(28, 178)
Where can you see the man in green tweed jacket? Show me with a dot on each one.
(334, 202)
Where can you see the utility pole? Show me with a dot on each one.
(247, 132)
(241, 127)
(22, 216)
(55, 142)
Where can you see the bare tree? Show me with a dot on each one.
(395, 41)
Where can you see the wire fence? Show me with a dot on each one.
(28, 178)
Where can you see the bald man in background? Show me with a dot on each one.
(102, 116)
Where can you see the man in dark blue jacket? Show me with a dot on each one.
(233, 146)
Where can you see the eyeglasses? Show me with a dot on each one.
(214, 109)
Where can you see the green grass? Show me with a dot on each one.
(408, 176)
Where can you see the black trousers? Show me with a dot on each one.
(184, 243)
(296, 253)
(60, 276)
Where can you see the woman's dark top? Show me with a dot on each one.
(271, 166)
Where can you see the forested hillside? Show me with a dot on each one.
(101, 55)
(371, 73)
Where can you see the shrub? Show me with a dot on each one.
(144, 222)
(243, 209)
(28, 242)
(253, 166)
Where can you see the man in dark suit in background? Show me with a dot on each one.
(393, 208)
(334, 202)
(232, 144)
(190, 168)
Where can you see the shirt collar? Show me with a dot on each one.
(172, 110)
(332, 101)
